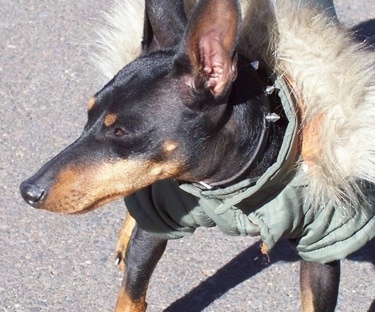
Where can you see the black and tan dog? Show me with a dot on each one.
(196, 110)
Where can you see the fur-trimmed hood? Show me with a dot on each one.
(330, 74)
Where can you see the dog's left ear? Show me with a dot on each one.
(164, 24)
(209, 45)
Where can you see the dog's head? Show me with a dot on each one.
(168, 114)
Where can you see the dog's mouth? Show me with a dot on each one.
(97, 204)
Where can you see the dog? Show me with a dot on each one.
(260, 125)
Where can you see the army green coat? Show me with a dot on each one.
(275, 206)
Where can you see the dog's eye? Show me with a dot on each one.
(119, 132)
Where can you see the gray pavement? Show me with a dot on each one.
(65, 263)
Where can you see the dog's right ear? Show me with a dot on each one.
(207, 52)
(164, 24)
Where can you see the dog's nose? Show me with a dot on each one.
(31, 193)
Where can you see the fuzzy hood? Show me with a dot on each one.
(332, 78)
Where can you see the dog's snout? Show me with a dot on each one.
(32, 193)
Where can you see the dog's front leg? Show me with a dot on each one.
(123, 240)
(319, 286)
(142, 254)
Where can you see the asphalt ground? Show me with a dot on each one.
(59, 263)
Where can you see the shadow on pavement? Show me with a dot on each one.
(372, 308)
(243, 267)
(366, 32)
(365, 254)
(247, 264)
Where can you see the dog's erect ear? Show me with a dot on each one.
(209, 44)
(164, 24)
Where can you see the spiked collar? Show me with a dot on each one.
(279, 173)
(268, 117)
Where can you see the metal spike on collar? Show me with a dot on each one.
(269, 90)
(272, 117)
(255, 65)
(204, 184)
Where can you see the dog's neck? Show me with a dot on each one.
(245, 143)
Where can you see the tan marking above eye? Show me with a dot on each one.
(169, 146)
(91, 104)
(110, 119)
